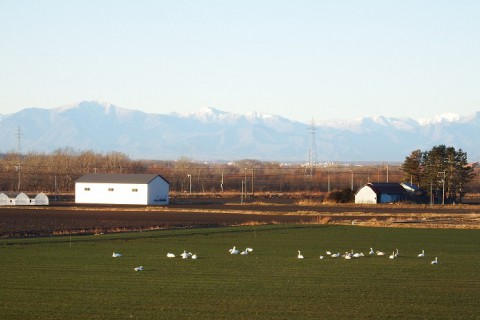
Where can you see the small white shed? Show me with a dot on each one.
(142, 189)
(4, 200)
(22, 200)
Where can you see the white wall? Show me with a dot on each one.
(158, 191)
(365, 195)
(121, 194)
(153, 194)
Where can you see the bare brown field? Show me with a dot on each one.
(68, 218)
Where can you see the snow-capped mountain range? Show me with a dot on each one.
(211, 134)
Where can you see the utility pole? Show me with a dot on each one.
(19, 148)
(242, 194)
(221, 183)
(253, 180)
(352, 179)
(245, 181)
(443, 185)
(328, 181)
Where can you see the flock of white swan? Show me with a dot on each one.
(351, 255)
(347, 255)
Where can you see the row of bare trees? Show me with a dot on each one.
(57, 172)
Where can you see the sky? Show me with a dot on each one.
(301, 59)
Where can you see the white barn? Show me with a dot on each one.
(380, 193)
(142, 189)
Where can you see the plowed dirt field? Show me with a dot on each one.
(67, 218)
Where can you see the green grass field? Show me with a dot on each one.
(76, 277)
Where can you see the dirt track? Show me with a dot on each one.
(71, 219)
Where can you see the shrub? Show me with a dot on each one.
(340, 196)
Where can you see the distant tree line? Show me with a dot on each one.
(57, 172)
(442, 171)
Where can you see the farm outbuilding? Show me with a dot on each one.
(22, 199)
(381, 193)
(142, 189)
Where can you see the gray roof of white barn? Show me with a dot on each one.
(118, 178)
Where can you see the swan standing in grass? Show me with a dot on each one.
(138, 268)
(184, 255)
(434, 261)
(392, 256)
(422, 255)
(396, 253)
(371, 252)
(300, 256)
(116, 255)
(170, 255)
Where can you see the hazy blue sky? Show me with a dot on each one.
(300, 59)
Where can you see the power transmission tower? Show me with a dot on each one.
(312, 151)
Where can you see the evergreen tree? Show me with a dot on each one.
(442, 169)
(412, 167)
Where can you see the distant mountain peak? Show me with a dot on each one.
(96, 107)
(84, 105)
(212, 134)
(441, 118)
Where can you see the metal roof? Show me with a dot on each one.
(118, 178)
(386, 188)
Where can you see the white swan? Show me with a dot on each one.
(234, 250)
(244, 252)
(380, 253)
(396, 253)
(300, 256)
(321, 257)
(392, 256)
(335, 255)
(249, 249)
(116, 255)
(358, 255)
(434, 261)
(421, 255)
(371, 252)
(170, 255)
(328, 252)
(139, 268)
(194, 256)
(184, 255)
